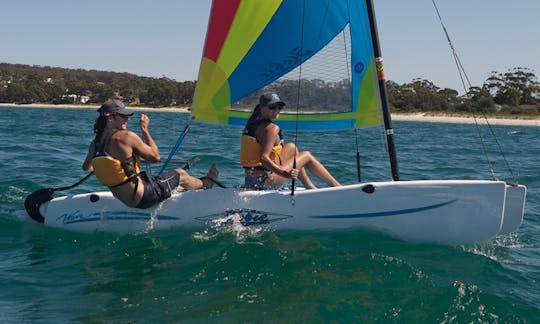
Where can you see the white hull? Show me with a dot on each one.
(446, 211)
(514, 208)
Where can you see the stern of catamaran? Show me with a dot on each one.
(514, 207)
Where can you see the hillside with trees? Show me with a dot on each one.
(516, 91)
(512, 92)
(36, 84)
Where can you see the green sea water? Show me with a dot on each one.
(250, 275)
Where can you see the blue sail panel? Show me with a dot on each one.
(281, 35)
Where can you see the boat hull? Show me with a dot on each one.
(514, 208)
(445, 211)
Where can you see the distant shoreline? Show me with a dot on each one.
(93, 107)
(416, 117)
(493, 120)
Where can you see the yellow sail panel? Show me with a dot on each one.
(207, 98)
(367, 107)
(244, 33)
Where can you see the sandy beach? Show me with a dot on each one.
(417, 117)
(425, 117)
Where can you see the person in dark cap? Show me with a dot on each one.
(267, 161)
(114, 156)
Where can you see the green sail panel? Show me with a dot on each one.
(254, 46)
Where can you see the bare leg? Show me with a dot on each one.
(305, 158)
(303, 176)
(190, 182)
(287, 156)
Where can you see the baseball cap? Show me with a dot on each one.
(270, 98)
(114, 106)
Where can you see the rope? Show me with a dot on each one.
(176, 146)
(465, 81)
(75, 184)
(349, 78)
(293, 182)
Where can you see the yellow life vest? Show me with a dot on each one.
(112, 172)
(250, 152)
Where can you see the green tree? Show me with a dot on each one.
(161, 92)
(16, 93)
(425, 95)
(518, 86)
(3, 94)
(480, 100)
(185, 91)
(400, 97)
(102, 92)
(36, 93)
(54, 91)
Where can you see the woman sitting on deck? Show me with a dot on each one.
(266, 160)
(114, 158)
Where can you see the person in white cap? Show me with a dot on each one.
(114, 156)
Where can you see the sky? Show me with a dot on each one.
(158, 38)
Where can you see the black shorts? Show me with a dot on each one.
(157, 187)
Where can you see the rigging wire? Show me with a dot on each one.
(356, 132)
(293, 183)
(349, 78)
(176, 146)
(466, 82)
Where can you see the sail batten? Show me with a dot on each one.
(256, 45)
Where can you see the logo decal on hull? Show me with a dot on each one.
(248, 217)
(78, 217)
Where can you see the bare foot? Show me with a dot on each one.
(211, 176)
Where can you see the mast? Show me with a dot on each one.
(389, 131)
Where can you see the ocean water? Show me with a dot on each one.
(260, 275)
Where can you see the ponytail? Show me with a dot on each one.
(99, 129)
(255, 116)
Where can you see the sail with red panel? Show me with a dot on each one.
(250, 44)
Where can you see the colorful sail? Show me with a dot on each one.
(250, 44)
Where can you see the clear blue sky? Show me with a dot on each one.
(165, 37)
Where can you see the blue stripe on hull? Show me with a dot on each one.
(115, 216)
(388, 213)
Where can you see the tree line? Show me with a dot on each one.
(35, 84)
(514, 91)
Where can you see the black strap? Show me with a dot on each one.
(257, 168)
(214, 181)
(33, 202)
(75, 184)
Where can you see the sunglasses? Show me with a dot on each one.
(274, 107)
(122, 116)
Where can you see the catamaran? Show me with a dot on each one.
(251, 45)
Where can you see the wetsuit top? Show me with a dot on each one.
(112, 172)
(250, 148)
